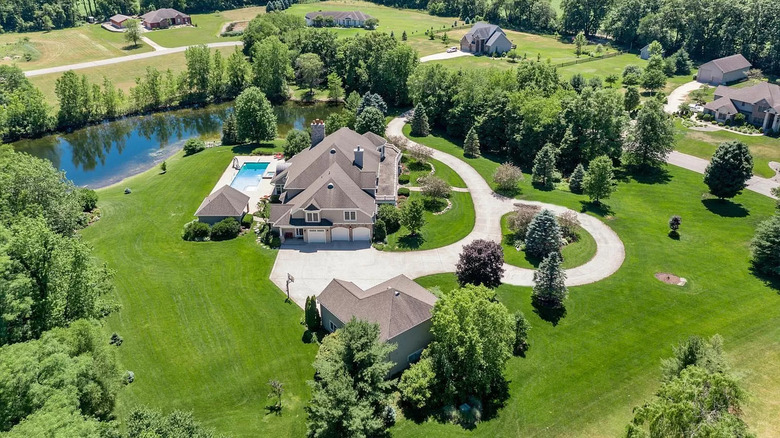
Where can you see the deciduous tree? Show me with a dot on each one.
(370, 120)
(132, 31)
(309, 68)
(295, 142)
(413, 217)
(255, 118)
(599, 181)
(651, 138)
(481, 263)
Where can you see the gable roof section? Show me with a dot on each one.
(119, 18)
(226, 201)
(731, 63)
(723, 105)
(762, 91)
(161, 14)
(397, 305)
(482, 30)
(340, 15)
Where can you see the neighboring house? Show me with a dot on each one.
(330, 191)
(401, 307)
(118, 20)
(485, 38)
(724, 70)
(759, 103)
(340, 18)
(644, 52)
(224, 203)
(164, 18)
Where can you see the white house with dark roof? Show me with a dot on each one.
(401, 308)
(330, 191)
(724, 70)
(759, 103)
(485, 38)
(340, 18)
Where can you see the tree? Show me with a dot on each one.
(391, 216)
(271, 67)
(371, 23)
(729, 170)
(655, 49)
(550, 282)
(335, 90)
(654, 78)
(576, 179)
(412, 216)
(420, 153)
(651, 138)
(631, 99)
(371, 100)
(598, 183)
(471, 145)
(72, 96)
(521, 218)
(435, 188)
(611, 79)
(163, 167)
(631, 75)
(403, 36)
(481, 263)
(309, 67)
(199, 68)
(521, 333)
(370, 120)
(193, 146)
(579, 42)
(237, 70)
(255, 118)
(695, 351)
(544, 235)
(674, 225)
(583, 15)
(420, 122)
(507, 176)
(132, 32)
(544, 166)
(296, 141)
(277, 390)
(312, 315)
(417, 384)
(230, 130)
(765, 247)
(350, 392)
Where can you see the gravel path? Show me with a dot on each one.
(313, 266)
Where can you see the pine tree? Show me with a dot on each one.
(311, 314)
(403, 36)
(550, 282)
(544, 166)
(598, 183)
(575, 179)
(229, 130)
(420, 122)
(471, 145)
(729, 170)
(544, 235)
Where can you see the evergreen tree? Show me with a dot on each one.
(598, 183)
(544, 235)
(521, 333)
(230, 130)
(729, 170)
(550, 282)
(471, 145)
(420, 122)
(544, 166)
(370, 120)
(765, 247)
(412, 216)
(371, 100)
(651, 138)
(576, 179)
(312, 314)
(403, 36)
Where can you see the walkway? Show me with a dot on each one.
(110, 61)
(313, 266)
(445, 55)
(152, 44)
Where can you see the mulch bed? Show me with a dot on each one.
(667, 278)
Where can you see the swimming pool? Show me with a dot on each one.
(249, 176)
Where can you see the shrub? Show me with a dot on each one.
(403, 191)
(519, 220)
(507, 177)
(390, 216)
(295, 142)
(88, 199)
(521, 333)
(312, 314)
(569, 226)
(193, 146)
(707, 117)
(276, 242)
(543, 236)
(674, 225)
(225, 229)
(481, 263)
(247, 220)
(416, 384)
(420, 153)
(403, 179)
(765, 247)
(196, 231)
(380, 231)
(739, 119)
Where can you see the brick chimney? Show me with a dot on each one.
(317, 132)
(359, 157)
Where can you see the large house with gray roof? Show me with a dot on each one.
(485, 39)
(401, 308)
(339, 18)
(330, 191)
(760, 104)
(724, 70)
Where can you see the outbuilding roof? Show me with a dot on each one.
(226, 201)
(731, 63)
(119, 18)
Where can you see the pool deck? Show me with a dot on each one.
(264, 189)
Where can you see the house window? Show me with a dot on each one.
(312, 216)
(332, 326)
(414, 357)
(350, 216)
(279, 189)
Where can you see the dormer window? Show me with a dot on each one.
(350, 216)
(312, 216)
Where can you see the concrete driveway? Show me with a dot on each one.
(314, 266)
(445, 55)
(679, 94)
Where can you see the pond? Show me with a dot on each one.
(104, 154)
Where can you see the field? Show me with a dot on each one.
(207, 31)
(69, 46)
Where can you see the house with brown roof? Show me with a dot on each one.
(759, 103)
(330, 191)
(118, 21)
(225, 202)
(401, 308)
(338, 18)
(485, 38)
(724, 70)
(164, 18)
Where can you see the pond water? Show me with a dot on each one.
(104, 154)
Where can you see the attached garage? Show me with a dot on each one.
(316, 236)
(361, 233)
(339, 234)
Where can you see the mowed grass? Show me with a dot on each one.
(206, 28)
(583, 376)
(439, 230)
(574, 254)
(204, 328)
(440, 170)
(85, 43)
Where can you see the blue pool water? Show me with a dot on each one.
(249, 176)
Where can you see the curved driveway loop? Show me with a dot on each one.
(314, 265)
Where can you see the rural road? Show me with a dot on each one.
(120, 59)
(314, 265)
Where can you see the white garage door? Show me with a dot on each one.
(361, 233)
(316, 236)
(339, 233)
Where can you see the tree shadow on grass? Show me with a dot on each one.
(600, 209)
(411, 241)
(725, 208)
(253, 148)
(434, 205)
(509, 193)
(648, 175)
(550, 314)
(273, 409)
(539, 186)
(769, 281)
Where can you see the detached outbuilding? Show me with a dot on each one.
(118, 21)
(724, 70)
(224, 203)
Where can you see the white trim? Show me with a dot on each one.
(315, 216)
(351, 213)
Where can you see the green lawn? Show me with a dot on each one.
(207, 31)
(583, 376)
(204, 327)
(439, 230)
(440, 170)
(574, 254)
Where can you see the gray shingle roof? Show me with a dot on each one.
(397, 305)
(723, 105)
(119, 18)
(483, 30)
(161, 14)
(340, 15)
(731, 63)
(753, 95)
(226, 201)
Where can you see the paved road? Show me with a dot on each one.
(445, 55)
(120, 59)
(314, 265)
